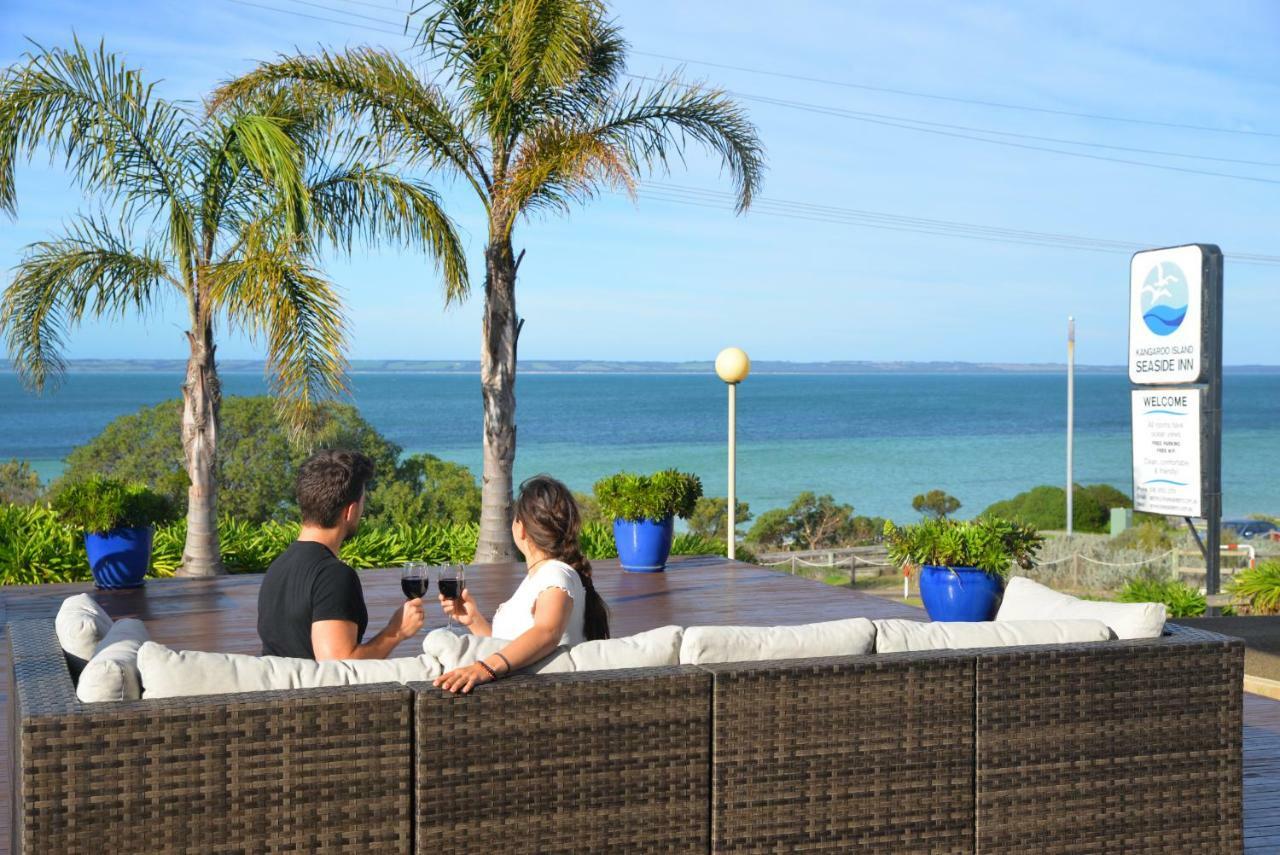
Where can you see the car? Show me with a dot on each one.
(1249, 529)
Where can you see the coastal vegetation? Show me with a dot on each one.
(935, 503)
(526, 105)
(1179, 598)
(19, 484)
(225, 211)
(38, 545)
(710, 517)
(813, 522)
(1045, 507)
(1259, 588)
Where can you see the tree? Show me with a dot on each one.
(426, 489)
(936, 503)
(1045, 507)
(711, 517)
(231, 208)
(257, 458)
(809, 522)
(533, 118)
(19, 484)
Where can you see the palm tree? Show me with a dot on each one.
(530, 112)
(224, 211)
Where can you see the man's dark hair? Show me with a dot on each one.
(329, 481)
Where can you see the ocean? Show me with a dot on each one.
(872, 440)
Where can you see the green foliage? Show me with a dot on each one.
(19, 484)
(813, 522)
(632, 497)
(1045, 507)
(1147, 536)
(257, 460)
(710, 517)
(101, 504)
(988, 543)
(935, 503)
(1259, 587)
(425, 489)
(589, 508)
(1180, 599)
(38, 546)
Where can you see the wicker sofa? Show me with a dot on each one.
(1121, 746)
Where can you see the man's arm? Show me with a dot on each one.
(336, 639)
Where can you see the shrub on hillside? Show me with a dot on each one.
(1045, 507)
(19, 484)
(813, 522)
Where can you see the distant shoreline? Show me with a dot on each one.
(606, 367)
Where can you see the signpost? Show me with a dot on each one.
(1175, 366)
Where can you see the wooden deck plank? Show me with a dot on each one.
(221, 615)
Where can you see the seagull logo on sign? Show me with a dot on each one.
(1164, 298)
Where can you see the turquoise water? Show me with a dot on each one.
(872, 440)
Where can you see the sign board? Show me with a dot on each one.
(1174, 298)
(1168, 455)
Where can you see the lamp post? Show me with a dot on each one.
(1071, 423)
(733, 366)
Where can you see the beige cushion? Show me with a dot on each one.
(81, 624)
(1028, 600)
(649, 649)
(112, 673)
(707, 644)
(178, 673)
(895, 636)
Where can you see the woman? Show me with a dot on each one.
(556, 602)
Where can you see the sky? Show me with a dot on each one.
(657, 279)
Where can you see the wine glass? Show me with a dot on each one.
(452, 582)
(413, 580)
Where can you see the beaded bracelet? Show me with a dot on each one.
(485, 665)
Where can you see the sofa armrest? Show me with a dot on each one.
(589, 762)
(309, 769)
(1132, 745)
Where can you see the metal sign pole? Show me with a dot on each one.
(1213, 429)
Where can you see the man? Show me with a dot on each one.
(311, 604)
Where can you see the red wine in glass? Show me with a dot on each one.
(449, 588)
(414, 587)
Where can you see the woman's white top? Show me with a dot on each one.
(515, 617)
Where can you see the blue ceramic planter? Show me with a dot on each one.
(119, 558)
(644, 546)
(960, 593)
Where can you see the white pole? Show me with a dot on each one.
(1071, 421)
(733, 451)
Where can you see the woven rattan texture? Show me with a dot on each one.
(295, 771)
(1116, 748)
(866, 754)
(600, 762)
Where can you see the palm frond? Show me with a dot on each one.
(651, 127)
(271, 291)
(92, 269)
(359, 203)
(113, 133)
(556, 165)
(409, 116)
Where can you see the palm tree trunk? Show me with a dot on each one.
(498, 386)
(201, 404)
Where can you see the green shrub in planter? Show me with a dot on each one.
(990, 544)
(100, 504)
(631, 497)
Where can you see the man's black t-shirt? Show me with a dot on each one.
(306, 583)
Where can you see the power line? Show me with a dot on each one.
(341, 11)
(316, 17)
(857, 117)
(721, 200)
(958, 100)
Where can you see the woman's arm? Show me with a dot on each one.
(551, 615)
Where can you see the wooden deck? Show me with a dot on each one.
(221, 615)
